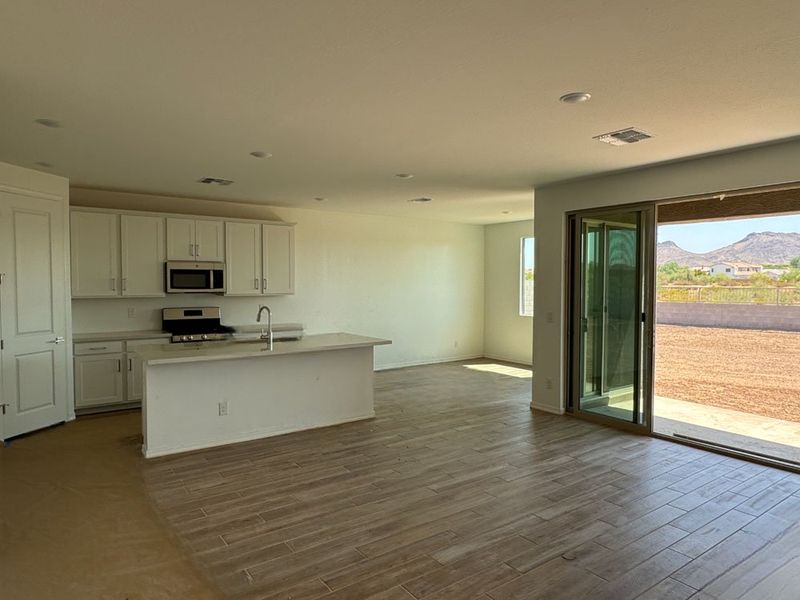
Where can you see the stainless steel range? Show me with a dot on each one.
(195, 324)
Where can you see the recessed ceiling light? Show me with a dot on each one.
(404, 175)
(575, 97)
(52, 123)
(261, 154)
(319, 198)
(43, 164)
(422, 200)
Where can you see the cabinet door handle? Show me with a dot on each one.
(255, 283)
(113, 284)
(197, 249)
(264, 284)
(92, 347)
(124, 283)
(130, 364)
(191, 249)
(58, 340)
(119, 366)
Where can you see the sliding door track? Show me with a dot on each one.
(766, 459)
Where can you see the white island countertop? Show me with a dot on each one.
(212, 351)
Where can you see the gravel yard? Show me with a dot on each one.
(751, 371)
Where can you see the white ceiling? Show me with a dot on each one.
(155, 94)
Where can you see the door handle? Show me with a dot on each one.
(58, 340)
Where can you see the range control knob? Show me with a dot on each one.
(204, 336)
(184, 338)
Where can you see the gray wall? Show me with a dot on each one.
(736, 316)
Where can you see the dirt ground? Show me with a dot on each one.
(751, 371)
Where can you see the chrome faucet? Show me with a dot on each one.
(265, 335)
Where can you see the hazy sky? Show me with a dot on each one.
(703, 237)
(527, 250)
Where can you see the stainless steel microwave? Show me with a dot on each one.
(188, 277)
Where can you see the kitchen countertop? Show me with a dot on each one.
(211, 351)
(107, 336)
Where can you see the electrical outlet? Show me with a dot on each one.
(131, 312)
(548, 384)
(223, 408)
(549, 317)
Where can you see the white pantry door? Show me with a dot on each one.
(33, 359)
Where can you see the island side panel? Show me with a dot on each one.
(265, 396)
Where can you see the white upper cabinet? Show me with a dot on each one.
(180, 239)
(94, 253)
(121, 254)
(209, 241)
(243, 265)
(143, 255)
(195, 239)
(278, 259)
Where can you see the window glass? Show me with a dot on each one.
(526, 277)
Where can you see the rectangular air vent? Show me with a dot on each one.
(630, 135)
(215, 181)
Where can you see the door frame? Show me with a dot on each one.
(645, 343)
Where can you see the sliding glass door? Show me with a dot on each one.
(610, 321)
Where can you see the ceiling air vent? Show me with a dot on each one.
(630, 135)
(215, 181)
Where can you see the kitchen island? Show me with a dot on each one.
(214, 393)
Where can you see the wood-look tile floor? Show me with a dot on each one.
(456, 490)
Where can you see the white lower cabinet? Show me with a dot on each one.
(98, 380)
(109, 373)
(133, 368)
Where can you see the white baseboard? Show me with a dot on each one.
(508, 359)
(547, 408)
(436, 361)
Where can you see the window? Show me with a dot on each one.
(526, 277)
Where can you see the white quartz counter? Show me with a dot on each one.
(213, 351)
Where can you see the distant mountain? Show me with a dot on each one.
(764, 248)
(671, 252)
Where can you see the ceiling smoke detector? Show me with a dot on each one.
(215, 181)
(422, 200)
(404, 175)
(629, 135)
